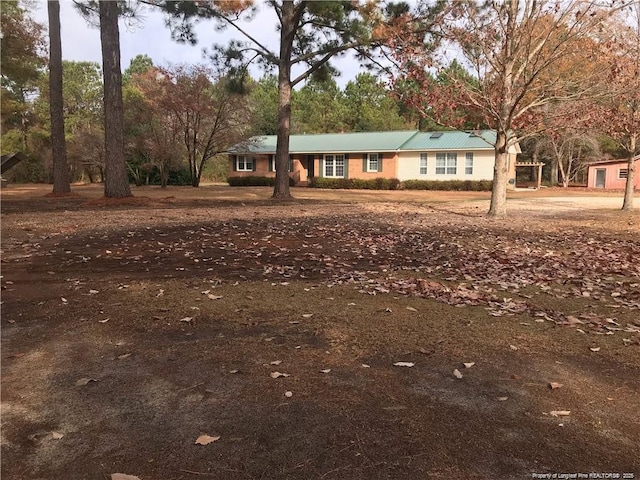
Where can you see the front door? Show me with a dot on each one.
(310, 166)
(601, 176)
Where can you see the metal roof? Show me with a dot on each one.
(336, 142)
(454, 140)
(615, 160)
(374, 142)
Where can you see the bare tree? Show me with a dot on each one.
(511, 47)
(620, 111)
(209, 116)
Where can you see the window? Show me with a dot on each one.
(372, 162)
(423, 164)
(468, 163)
(446, 163)
(623, 173)
(244, 163)
(334, 166)
(272, 164)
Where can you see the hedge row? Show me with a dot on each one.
(255, 181)
(450, 185)
(373, 184)
(355, 183)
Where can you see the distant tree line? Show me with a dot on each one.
(563, 79)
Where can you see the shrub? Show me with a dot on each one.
(355, 183)
(255, 181)
(450, 185)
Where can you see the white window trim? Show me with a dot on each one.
(423, 156)
(377, 157)
(334, 158)
(244, 163)
(272, 159)
(449, 157)
(468, 163)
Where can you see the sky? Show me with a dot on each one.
(81, 42)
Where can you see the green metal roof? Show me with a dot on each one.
(455, 140)
(373, 142)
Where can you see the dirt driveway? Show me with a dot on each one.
(342, 335)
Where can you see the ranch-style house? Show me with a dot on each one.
(405, 155)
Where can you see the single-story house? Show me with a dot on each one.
(405, 155)
(612, 174)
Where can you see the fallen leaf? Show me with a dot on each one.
(56, 435)
(234, 371)
(594, 349)
(411, 309)
(64, 300)
(93, 292)
(276, 362)
(571, 320)
(206, 440)
(469, 364)
(103, 321)
(388, 310)
(123, 356)
(279, 374)
(214, 297)
(186, 319)
(84, 381)
(122, 476)
(404, 364)
(326, 370)
(502, 399)
(307, 315)
(560, 413)
(554, 385)
(513, 347)
(288, 394)
(457, 374)
(364, 365)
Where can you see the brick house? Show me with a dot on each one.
(405, 155)
(612, 174)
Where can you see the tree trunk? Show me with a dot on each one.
(61, 183)
(281, 188)
(553, 174)
(631, 168)
(498, 206)
(116, 182)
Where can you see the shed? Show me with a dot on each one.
(612, 174)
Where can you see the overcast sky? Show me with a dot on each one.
(81, 42)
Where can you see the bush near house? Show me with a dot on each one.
(450, 185)
(355, 183)
(395, 184)
(255, 181)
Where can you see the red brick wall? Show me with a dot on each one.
(389, 167)
(262, 167)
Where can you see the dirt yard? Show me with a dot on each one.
(215, 333)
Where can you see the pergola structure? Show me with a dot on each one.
(532, 165)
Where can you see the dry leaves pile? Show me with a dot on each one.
(459, 264)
